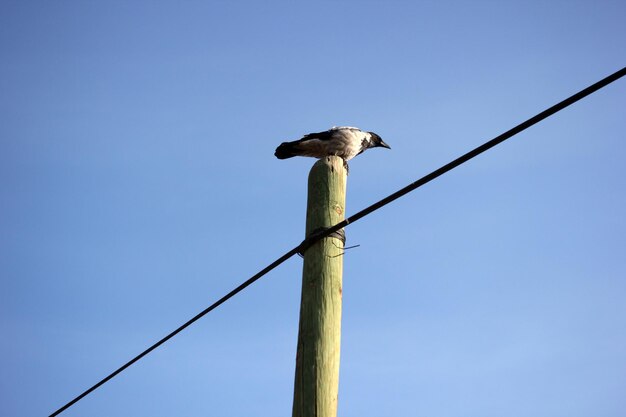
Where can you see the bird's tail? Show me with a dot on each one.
(286, 150)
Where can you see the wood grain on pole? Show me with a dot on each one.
(319, 335)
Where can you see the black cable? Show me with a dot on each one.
(181, 328)
(475, 152)
(325, 233)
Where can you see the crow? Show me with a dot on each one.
(344, 142)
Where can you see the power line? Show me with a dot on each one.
(359, 215)
(181, 328)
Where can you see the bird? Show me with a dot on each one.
(343, 141)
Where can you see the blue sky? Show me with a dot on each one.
(138, 185)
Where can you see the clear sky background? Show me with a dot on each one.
(138, 185)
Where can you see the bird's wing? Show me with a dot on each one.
(326, 135)
(330, 133)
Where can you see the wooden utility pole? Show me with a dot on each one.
(319, 335)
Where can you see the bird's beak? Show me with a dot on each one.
(384, 145)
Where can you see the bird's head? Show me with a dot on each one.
(376, 141)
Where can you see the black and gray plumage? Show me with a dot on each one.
(344, 142)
